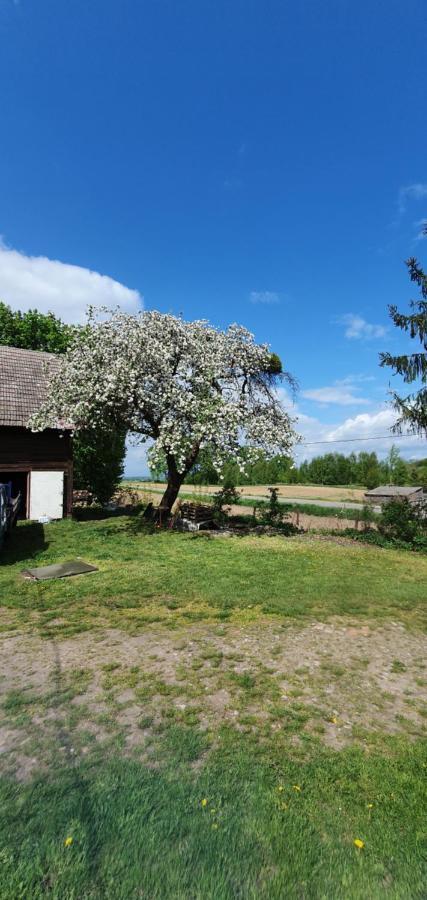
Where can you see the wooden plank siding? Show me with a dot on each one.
(21, 450)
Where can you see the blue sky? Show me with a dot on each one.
(260, 162)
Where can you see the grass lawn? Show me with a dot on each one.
(211, 717)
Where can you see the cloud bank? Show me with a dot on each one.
(36, 282)
(344, 436)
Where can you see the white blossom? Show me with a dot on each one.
(186, 385)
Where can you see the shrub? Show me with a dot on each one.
(367, 517)
(402, 525)
(274, 514)
(419, 544)
(225, 497)
(403, 521)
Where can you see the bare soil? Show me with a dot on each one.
(338, 680)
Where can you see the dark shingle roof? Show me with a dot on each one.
(392, 490)
(24, 376)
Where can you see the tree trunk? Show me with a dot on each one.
(175, 480)
(169, 497)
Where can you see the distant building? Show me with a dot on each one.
(38, 465)
(384, 493)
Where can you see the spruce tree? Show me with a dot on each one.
(412, 409)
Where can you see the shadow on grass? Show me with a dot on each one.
(25, 542)
(97, 513)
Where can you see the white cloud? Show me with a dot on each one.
(344, 437)
(415, 191)
(343, 392)
(359, 329)
(266, 297)
(36, 282)
(364, 425)
(336, 393)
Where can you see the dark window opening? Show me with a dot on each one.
(19, 482)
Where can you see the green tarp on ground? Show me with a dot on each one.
(59, 570)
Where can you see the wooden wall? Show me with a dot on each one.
(22, 450)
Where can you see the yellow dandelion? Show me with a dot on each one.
(334, 720)
(359, 844)
(68, 841)
(296, 787)
(280, 788)
(370, 805)
(204, 801)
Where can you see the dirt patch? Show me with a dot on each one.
(338, 680)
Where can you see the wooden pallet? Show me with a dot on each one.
(198, 514)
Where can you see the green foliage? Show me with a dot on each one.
(203, 472)
(227, 496)
(33, 330)
(362, 468)
(274, 513)
(401, 524)
(401, 520)
(397, 469)
(419, 544)
(275, 366)
(418, 473)
(412, 409)
(98, 462)
(367, 516)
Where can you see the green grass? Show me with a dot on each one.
(173, 578)
(238, 826)
(258, 808)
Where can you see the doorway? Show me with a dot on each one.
(19, 482)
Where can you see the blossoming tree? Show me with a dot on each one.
(185, 385)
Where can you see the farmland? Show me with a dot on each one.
(251, 706)
(314, 507)
(285, 491)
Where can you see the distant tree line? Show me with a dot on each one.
(362, 468)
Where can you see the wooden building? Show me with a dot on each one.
(387, 492)
(39, 465)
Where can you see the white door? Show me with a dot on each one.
(46, 495)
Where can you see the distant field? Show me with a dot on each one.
(293, 491)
